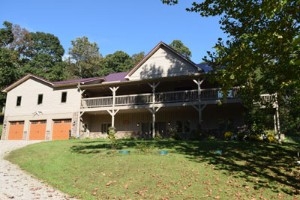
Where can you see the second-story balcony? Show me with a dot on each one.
(167, 98)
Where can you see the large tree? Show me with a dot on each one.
(181, 48)
(9, 60)
(41, 55)
(85, 57)
(117, 62)
(6, 34)
(261, 52)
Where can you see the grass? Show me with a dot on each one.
(90, 169)
(0, 130)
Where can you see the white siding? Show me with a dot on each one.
(29, 91)
(163, 63)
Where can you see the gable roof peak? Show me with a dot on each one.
(161, 44)
(25, 78)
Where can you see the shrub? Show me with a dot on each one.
(270, 136)
(112, 137)
(144, 147)
(228, 135)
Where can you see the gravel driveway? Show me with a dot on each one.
(19, 185)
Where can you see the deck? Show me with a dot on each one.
(174, 98)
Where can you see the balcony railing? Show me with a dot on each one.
(162, 97)
(268, 100)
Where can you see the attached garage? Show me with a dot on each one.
(61, 129)
(37, 130)
(16, 130)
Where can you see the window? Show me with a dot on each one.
(19, 100)
(40, 99)
(63, 97)
(105, 127)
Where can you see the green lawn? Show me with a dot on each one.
(90, 169)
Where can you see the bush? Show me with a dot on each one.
(112, 137)
(270, 136)
(228, 135)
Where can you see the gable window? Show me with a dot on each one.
(19, 100)
(63, 97)
(40, 99)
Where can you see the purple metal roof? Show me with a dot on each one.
(76, 81)
(120, 76)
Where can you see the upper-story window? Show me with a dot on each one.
(40, 99)
(63, 97)
(19, 100)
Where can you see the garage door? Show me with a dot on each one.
(16, 130)
(61, 129)
(37, 130)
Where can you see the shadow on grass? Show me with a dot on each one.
(268, 166)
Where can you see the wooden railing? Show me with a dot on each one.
(162, 97)
(268, 99)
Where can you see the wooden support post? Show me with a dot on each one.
(154, 109)
(113, 111)
(80, 113)
(276, 119)
(199, 82)
(78, 128)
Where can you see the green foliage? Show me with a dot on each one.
(181, 48)
(6, 35)
(85, 58)
(9, 70)
(261, 52)
(43, 55)
(145, 147)
(228, 135)
(112, 138)
(270, 136)
(117, 62)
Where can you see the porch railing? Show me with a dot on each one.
(162, 97)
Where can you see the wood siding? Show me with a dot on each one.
(163, 63)
(29, 91)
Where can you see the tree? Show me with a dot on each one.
(117, 62)
(136, 58)
(41, 53)
(6, 35)
(85, 57)
(21, 39)
(9, 62)
(181, 48)
(9, 70)
(262, 50)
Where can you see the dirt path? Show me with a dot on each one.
(19, 185)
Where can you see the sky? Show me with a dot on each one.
(132, 26)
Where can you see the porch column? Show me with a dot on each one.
(200, 107)
(113, 111)
(80, 113)
(153, 110)
(79, 125)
